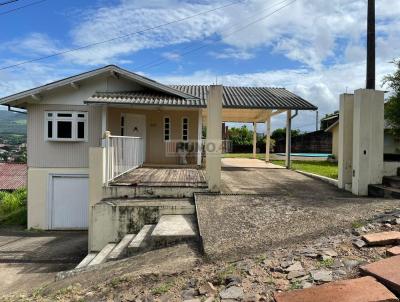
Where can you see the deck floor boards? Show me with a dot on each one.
(175, 177)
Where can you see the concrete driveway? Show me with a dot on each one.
(266, 206)
(31, 259)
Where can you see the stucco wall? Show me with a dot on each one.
(155, 145)
(38, 189)
(335, 141)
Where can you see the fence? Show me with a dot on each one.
(123, 154)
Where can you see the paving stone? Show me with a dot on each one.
(382, 238)
(355, 290)
(394, 251)
(387, 271)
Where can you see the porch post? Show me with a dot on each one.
(199, 137)
(268, 138)
(103, 119)
(254, 140)
(288, 138)
(214, 138)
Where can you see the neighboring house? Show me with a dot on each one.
(391, 143)
(12, 176)
(147, 122)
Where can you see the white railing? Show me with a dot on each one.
(123, 154)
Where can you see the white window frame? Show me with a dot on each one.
(169, 129)
(74, 119)
(187, 134)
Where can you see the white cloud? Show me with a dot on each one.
(172, 56)
(322, 87)
(37, 44)
(233, 53)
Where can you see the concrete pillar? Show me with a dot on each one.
(214, 137)
(368, 128)
(268, 138)
(288, 138)
(199, 137)
(345, 154)
(254, 140)
(96, 181)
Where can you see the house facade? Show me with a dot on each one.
(136, 121)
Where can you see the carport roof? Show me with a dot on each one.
(233, 97)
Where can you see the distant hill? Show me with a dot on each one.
(12, 122)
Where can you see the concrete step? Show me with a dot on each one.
(386, 271)
(383, 191)
(391, 181)
(121, 250)
(142, 241)
(101, 257)
(174, 228)
(151, 191)
(85, 262)
(354, 290)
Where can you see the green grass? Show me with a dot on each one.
(13, 210)
(320, 167)
(323, 168)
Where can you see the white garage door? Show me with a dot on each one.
(69, 202)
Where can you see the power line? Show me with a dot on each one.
(151, 65)
(21, 7)
(7, 2)
(118, 37)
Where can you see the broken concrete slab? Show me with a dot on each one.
(382, 238)
(355, 290)
(394, 251)
(387, 271)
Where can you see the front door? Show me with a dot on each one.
(135, 125)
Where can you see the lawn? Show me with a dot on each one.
(323, 168)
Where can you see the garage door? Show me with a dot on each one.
(69, 202)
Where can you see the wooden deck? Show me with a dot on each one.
(163, 177)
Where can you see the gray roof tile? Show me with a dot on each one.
(233, 97)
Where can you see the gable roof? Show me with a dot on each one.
(106, 69)
(175, 95)
(233, 97)
(12, 176)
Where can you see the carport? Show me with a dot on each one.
(244, 105)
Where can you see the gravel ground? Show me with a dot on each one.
(233, 226)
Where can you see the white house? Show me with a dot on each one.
(136, 123)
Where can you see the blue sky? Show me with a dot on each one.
(314, 48)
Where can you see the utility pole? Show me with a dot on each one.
(371, 45)
(316, 120)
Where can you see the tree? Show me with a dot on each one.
(392, 106)
(241, 136)
(280, 133)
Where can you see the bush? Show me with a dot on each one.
(13, 207)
